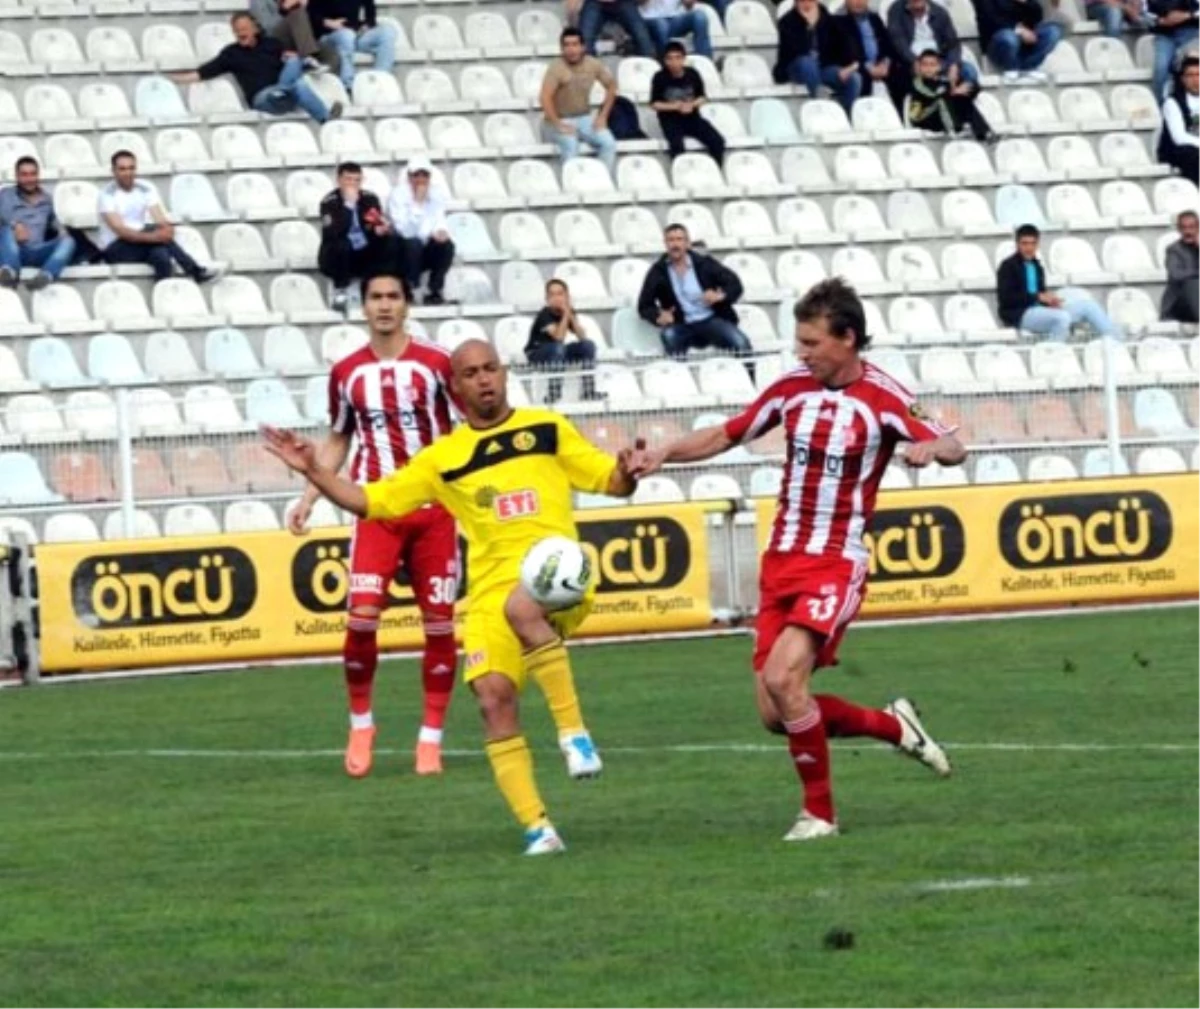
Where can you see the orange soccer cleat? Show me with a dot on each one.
(429, 758)
(359, 752)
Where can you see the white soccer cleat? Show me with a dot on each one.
(583, 761)
(543, 841)
(915, 741)
(810, 828)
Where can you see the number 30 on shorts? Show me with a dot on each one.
(443, 591)
(822, 609)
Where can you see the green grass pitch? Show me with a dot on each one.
(244, 868)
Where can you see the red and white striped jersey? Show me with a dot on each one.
(839, 442)
(395, 407)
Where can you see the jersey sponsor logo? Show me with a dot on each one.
(1052, 531)
(476, 658)
(366, 583)
(516, 504)
(378, 420)
(828, 462)
(167, 587)
(926, 542)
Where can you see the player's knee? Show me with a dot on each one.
(527, 620)
(363, 619)
(497, 702)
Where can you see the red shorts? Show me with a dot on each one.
(425, 543)
(821, 593)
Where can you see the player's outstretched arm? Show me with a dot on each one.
(947, 450)
(331, 455)
(300, 454)
(694, 447)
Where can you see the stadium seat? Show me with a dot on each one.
(12, 49)
(532, 179)
(102, 101)
(12, 378)
(1156, 411)
(346, 138)
(254, 470)
(1072, 204)
(121, 303)
(1128, 256)
(586, 177)
(857, 163)
(1016, 205)
(1104, 55)
(182, 146)
(478, 180)
(227, 352)
(1162, 358)
(772, 121)
(521, 284)
(305, 189)
(298, 297)
(633, 335)
(577, 230)
(1072, 256)
(252, 195)
(1030, 107)
(1081, 106)
(241, 246)
(111, 360)
(757, 325)
(190, 520)
(70, 527)
(895, 364)
(324, 515)
(799, 216)
(967, 262)
(1136, 104)
(727, 379)
(895, 478)
(396, 136)
(1051, 466)
(1132, 309)
(452, 332)
(238, 298)
(21, 481)
(249, 517)
(996, 468)
(211, 407)
(168, 46)
(964, 208)
(944, 368)
(1099, 462)
(1123, 198)
(144, 526)
(1122, 150)
(753, 272)
(168, 356)
(269, 402)
(193, 198)
(75, 203)
(296, 243)
(198, 470)
(658, 490)
(908, 264)
(214, 97)
(672, 382)
(625, 278)
(937, 475)
(797, 270)
(1174, 195)
(91, 413)
(68, 151)
(909, 212)
(821, 117)
(804, 167)
(378, 91)
(912, 162)
(80, 477)
(1159, 459)
(52, 364)
(715, 487)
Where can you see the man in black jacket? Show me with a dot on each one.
(356, 240)
(1015, 36)
(348, 27)
(690, 298)
(1024, 303)
(1181, 299)
(810, 53)
(271, 80)
(864, 40)
(920, 25)
(1175, 31)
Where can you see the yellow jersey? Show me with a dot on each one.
(508, 486)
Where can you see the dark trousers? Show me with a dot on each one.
(953, 113)
(342, 263)
(676, 127)
(416, 257)
(897, 82)
(1186, 161)
(626, 13)
(294, 30)
(158, 257)
(716, 332)
(555, 356)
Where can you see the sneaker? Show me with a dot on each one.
(359, 752)
(543, 841)
(434, 298)
(810, 828)
(336, 110)
(313, 65)
(1011, 76)
(914, 740)
(340, 300)
(582, 759)
(429, 758)
(208, 275)
(40, 280)
(1035, 77)
(8, 277)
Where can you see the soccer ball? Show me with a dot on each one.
(556, 572)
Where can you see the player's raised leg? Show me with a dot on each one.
(374, 554)
(431, 559)
(784, 678)
(546, 660)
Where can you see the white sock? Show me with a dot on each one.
(429, 735)
(365, 721)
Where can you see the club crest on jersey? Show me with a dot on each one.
(485, 496)
(828, 589)
(828, 413)
(516, 504)
(917, 411)
(523, 441)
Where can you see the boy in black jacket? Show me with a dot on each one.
(937, 105)
(356, 240)
(676, 94)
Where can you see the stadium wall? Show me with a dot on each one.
(661, 568)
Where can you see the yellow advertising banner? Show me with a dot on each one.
(956, 549)
(221, 599)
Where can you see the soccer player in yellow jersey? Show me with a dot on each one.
(506, 476)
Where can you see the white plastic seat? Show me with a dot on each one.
(1019, 155)
(916, 317)
(1029, 107)
(168, 46)
(103, 101)
(375, 89)
(1071, 204)
(12, 49)
(747, 220)
(855, 163)
(32, 413)
(634, 75)
(452, 332)
(227, 352)
(727, 379)
(1016, 205)
(436, 33)
(1122, 198)
(249, 517)
(12, 378)
(510, 336)
(967, 261)
(800, 217)
(158, 99)
(1079, 106)
(937, 475)
(295, 294)
(821, 117)
(1003, 367)
(966, 158)
(725, 117)
(177, 146)
(10, 112)
(577, 229)
(697, 174)
(804, 167)
(291, 140)
(167, 356)
(911, 263)
(91, 412)
(912, 162)
(1070, 255)
(715, 487)
(240, 245)
(527, 79)
(771, 120)
(996, 467)
(346, 138)
(658, 490)
(1051, 360)
(48, 102)
(750, 170)
(797, 270)
(22, 483)
(856, 214)
(639, 173)
(1094, 358)
(286, 349)
(584, 280)
(744, 70)
(671, 382)
(857, 264)
(1070, 153)
(59, 307)
(895, 364)
(538, 27)
(54, 46)
(305, 189)
(969, 314)
(909, 211)
(190, 520)
(51, 363)
(635, 226)
(872, 113)
(1123, 150)
(296, 243)
(633, 335)
(119, 303)
(766, 481)
(469, 285)
(698, 219)
(1158, 356)
(144, 526)
(210, 406)
(532, 179)
(341, 341)
(895, 478)
(1157, 411)
(218, 96)
(758, 327)
(1134, 103)
(154, 410)
(210, 38)
(619, 385)
(475, 180)
(1132, 309)
(1174, 195)
(237, 297)
(1099, 462)
(430, 86)
(1159, 459)
(1051, 466)
(269, 402)
(193, 198)
(586, 177)
(522, 233)
(507, 130)
(75, 203)
(753, 272)
(1103, 55)
(70, 527)
(399, 136)
(521, 283)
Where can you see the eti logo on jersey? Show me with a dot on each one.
(516, 504)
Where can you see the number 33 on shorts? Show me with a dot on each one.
(822, 612)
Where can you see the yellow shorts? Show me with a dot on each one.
(491, 646)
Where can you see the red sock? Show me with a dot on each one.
(810, 754)
(360, 656)
(437, 676)
(845, 719)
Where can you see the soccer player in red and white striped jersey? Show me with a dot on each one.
(392, 398)
(843, 418)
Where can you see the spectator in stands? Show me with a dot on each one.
(356, 241)
(939, 105)
(566, 101)
(594, 14)
(134, 227)
(556, 341)
(919, 25)
(30, 234)
(1024, 302)
(690, 298)
(417, 213)
(1179, 139)
(673, 19)
(677, 94)
(1181, 299)
(1175, 32)
(288, 21)
(864, 40)
(271, 79)
(1114, 15)
(1015, 36)
(349, 27)
(810, 53)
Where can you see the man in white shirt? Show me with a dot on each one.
(134, 227)
(673, 19)
(417, 213)
(1179, 142)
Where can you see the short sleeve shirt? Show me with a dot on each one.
(573, 84)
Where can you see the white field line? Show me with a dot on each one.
(311, 754)
(620, 639)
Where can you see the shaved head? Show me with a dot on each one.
(480, 382)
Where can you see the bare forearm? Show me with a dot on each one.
(699, 445)
(949, 451)
(342, 492)
(331, 455)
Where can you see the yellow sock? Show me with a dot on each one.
(512, 764)
(551, 669)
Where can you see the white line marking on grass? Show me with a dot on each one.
(971, 883)
(866, 746)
